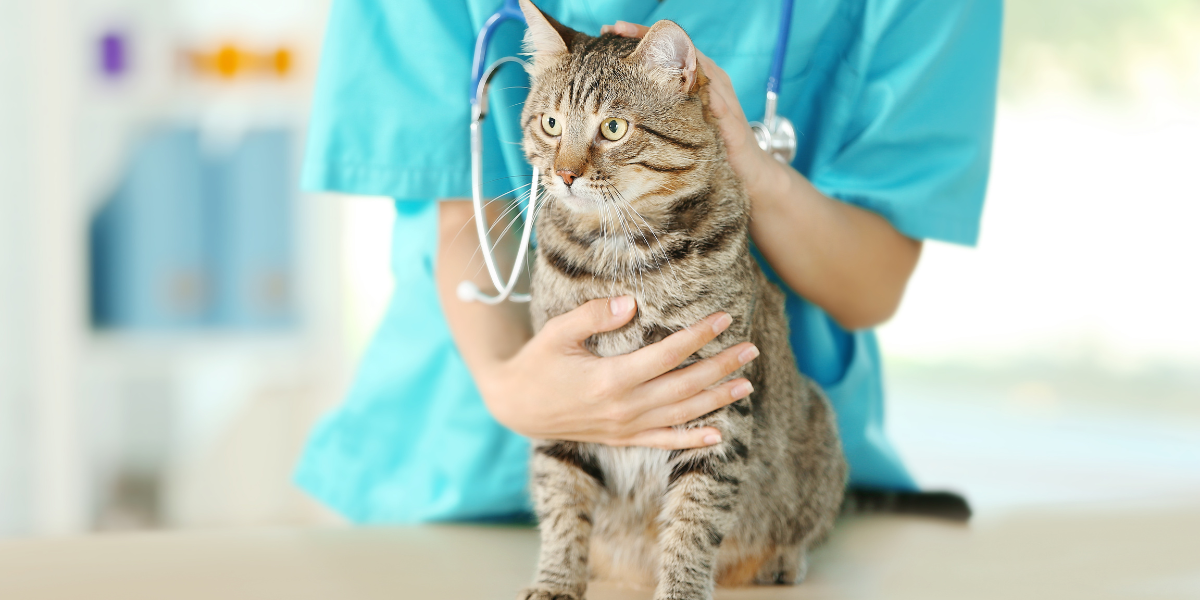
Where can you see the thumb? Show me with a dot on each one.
(602, 314)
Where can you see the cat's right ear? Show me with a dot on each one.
(669, 53)
(545, 38)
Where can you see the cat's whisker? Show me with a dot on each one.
(665, 255)
(601, 251)
(634, 268)
(515, 206)
(486, 204)
(539, 200)
(645, 263)
(515, 210)
(603, 235)
(516, 217)
(543, 200)
(656, 260)
(652, 232)
(495, 179)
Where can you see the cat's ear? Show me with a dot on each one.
(545, 38)
(667, 49)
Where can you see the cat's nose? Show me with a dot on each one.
(567, 175)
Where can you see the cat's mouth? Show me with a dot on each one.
(578, 196)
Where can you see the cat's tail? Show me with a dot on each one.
(941, 505)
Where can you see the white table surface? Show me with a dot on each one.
(1091, 553)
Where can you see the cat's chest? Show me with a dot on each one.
(630, 470)
(664, 305)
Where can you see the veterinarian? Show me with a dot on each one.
(893, 101)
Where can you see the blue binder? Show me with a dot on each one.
(253, 231)
(189, 240)
(150, 264)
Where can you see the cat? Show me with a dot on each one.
(641, 200)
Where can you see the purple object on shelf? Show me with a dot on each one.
(113, 55)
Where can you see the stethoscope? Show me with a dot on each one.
(774, 133)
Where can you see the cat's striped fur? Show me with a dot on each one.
(660, 215)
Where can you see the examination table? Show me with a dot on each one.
(1090, 553)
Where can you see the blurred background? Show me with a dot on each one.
(175, 314)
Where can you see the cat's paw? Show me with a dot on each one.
(540, 593)
(785, 569)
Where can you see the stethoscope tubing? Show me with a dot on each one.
(775, 77)
(467, 290)
(509, 10)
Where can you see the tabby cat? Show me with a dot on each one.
(641, 200)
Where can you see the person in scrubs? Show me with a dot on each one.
(893, 101)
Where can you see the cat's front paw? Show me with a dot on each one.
(541, 593)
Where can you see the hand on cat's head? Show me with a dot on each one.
(748, 160)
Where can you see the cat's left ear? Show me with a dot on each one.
(668, 49)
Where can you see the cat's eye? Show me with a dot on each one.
(551, 125)
(613, 128)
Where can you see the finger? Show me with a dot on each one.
(685, 383)
(601, 314)
(717, 103)
(713, 70)
(625, 29)
(697, 406)
(670, 438)
(709, 65)
(658, 358)
(722, 86)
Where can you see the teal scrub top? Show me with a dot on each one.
(894, 103)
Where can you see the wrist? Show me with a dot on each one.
(492, 384)
(768, 183)
(489, 377)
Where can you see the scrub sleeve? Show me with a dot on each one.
(894, 103)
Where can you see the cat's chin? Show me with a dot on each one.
(577, 203)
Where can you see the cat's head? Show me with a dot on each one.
(613, 119)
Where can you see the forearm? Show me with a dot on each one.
(486, 335)
(849, 261)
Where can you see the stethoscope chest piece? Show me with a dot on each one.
(778, 138)
(775, 134)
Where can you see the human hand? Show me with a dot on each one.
(753, 165)
(554, 388)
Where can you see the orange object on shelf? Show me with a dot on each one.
(231, 62)
(283, 62)
(227, 61)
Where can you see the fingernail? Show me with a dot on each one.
(620, 306)
(712, 438)
(741, 390)
(748, 354)
(722, 323)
